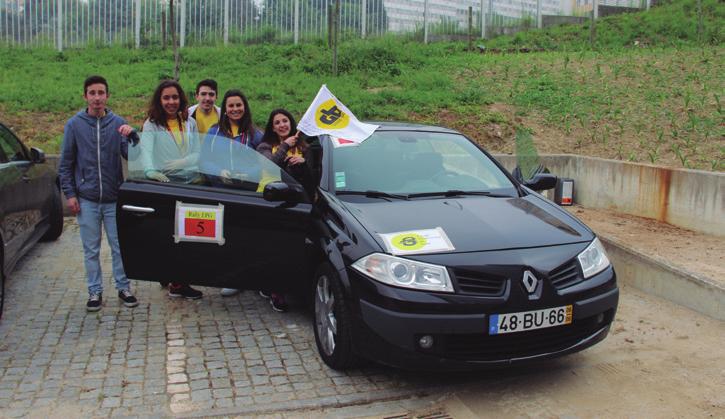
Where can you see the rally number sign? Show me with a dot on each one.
(199, 223)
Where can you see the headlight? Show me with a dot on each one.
(593, 259)
(405, 273)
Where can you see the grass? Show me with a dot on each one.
(656, 104)
(674, 24)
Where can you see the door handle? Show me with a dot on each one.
(133, 208)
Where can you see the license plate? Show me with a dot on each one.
(529, 320)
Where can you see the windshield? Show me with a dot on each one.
(411, 162)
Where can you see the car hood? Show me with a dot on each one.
(474, 223)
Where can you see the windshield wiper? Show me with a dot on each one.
(373, 194)
(457, 192)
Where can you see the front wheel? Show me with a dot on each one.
(2, 288)
(55, 218)
(333, 327)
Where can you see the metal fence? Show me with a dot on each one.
(139, 23)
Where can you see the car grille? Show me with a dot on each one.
(484, 347)
(477, 283)
(566, 275)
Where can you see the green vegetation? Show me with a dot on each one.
(659, 105)
(674, 24)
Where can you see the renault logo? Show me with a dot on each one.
(530, 282)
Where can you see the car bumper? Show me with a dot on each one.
(461, 341)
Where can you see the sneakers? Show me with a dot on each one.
(264, 294)
(94, 302)
(278, 303)
(228, 292)
(128, 299)
(183, 290)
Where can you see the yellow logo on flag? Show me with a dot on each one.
(330, 116)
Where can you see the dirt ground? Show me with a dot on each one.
(660, 361)
(694, 252)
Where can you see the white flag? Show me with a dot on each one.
(327, 115)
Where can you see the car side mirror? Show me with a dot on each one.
(37, 155)
(541, 182)
(283, 192)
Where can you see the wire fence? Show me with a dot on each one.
(140, 23)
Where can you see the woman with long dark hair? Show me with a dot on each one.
(227, 152)
(226, 143)
(170, 149)
(282, 145)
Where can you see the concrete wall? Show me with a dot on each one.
(692, 199)
(657, 277)
(554, 20)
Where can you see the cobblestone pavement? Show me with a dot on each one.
(218, 355)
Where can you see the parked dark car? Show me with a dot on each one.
(30, 205)
(419, 250)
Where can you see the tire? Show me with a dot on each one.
(2, 289)
(333, 325)
(56, 218)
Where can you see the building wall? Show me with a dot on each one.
(407, 15)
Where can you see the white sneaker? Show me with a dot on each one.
(228, 292)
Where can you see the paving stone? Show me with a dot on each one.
(162, 358)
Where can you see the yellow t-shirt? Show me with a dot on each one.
(177, 134)
(235, 130)
(290, 152)
(205, 121)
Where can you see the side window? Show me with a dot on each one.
(213, 161)
(10, 146)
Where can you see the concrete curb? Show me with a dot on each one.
(385, 401)
(656, 277)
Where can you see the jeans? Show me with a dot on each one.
(89, 219)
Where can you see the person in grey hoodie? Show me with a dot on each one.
(94, 141)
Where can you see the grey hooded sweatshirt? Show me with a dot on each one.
(90, 161)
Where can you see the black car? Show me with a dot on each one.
(30, 205)
(419, 249)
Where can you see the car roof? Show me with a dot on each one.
(409, 126)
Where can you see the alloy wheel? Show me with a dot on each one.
(325, 320)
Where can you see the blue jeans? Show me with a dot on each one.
(90, 218)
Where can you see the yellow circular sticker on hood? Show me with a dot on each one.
(409, 241)
(330, 116)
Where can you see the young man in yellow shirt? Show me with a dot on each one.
(205, 112)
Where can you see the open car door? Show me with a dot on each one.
(206, 229)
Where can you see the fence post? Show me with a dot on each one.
(330, 21)
(137, 23)
(163, 29)
(699, 20)
(470, 28)
(363, 18)
(539, 20)
(649, 4)
(297, 21)
(593, 31)
(225, 24)
(490, 17)
(483, 21)
(425, 22)
(335, 36)
(182, 23)
(59, 26)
